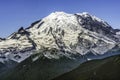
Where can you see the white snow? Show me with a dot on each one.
(51, 32)
(118, 33)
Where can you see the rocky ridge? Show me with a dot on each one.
(61, 35)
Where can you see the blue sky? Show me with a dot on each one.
(17, 13)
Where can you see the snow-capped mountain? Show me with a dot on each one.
(61, 35)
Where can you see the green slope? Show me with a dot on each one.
(106, 69)
(42, 69)
(1, 65)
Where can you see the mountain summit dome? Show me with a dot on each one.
(67, 35)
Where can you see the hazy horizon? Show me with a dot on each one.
(17, 13)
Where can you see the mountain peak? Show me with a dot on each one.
(66, 34)
(21, 29)
(85, 14)
(59, 36)
(59, 12)
(56, 14)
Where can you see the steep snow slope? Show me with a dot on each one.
(95, 24)
(15, 46)
(61, 34)
(64, 32)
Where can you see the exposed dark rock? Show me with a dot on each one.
(116, 30)
(40, 24)
(96, 26)
(33, 24)
(23, 31)
(1, 39)
(17, 35)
